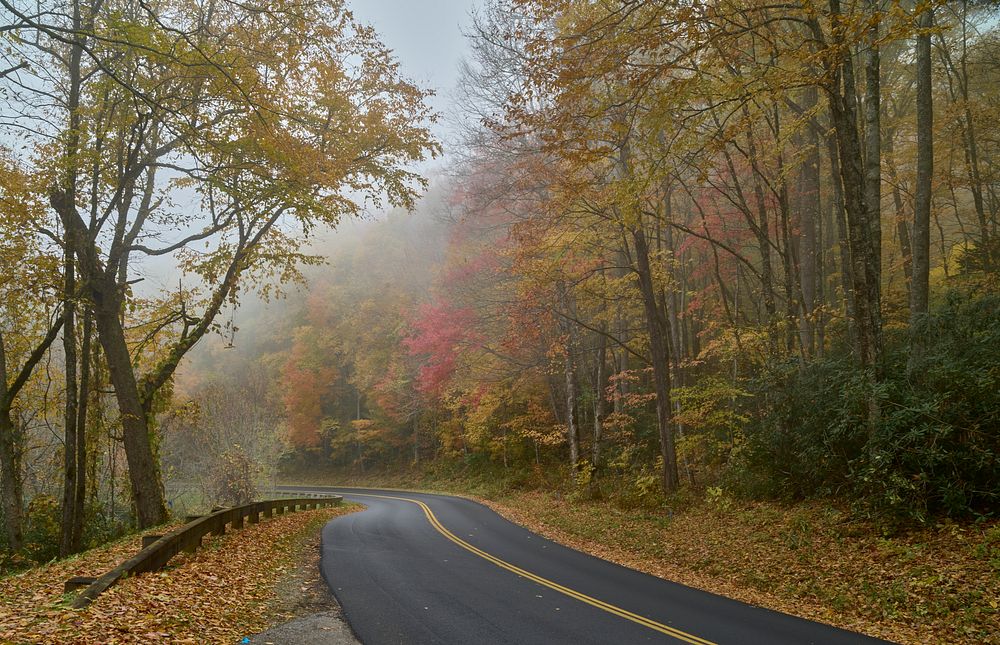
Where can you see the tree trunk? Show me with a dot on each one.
(902, 230)
(864, 265)
(657, 327)
(673, 301)
(572, 435)
(763, 235)
(10, 472)
(569, 369)
(70, 474)
(920, 287)
(144, 471)
(81, 433)
(416, 439)
(843, 246)
(10, 481)
(809, 218)
(599, 378)
(873, 137)
(789, 265)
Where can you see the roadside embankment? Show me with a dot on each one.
(229, 589)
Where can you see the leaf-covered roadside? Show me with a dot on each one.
(935, 585)
(219, 594)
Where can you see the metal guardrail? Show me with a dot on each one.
(159, 549)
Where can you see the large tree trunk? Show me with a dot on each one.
(144, 470)
(656, 325)
(920, 287)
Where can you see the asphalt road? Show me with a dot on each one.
(417, 568)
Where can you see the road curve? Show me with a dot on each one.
(417, 568)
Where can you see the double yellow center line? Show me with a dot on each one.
(600, 604)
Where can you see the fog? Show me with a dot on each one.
(427, 38)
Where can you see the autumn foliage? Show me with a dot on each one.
(685, 246)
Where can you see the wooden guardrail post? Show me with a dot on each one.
(78, 582)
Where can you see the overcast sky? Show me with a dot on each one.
(426, 36)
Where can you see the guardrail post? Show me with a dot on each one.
(149, 539)
(238, 520)
(77, 582)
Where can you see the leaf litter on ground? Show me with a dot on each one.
(221, 593)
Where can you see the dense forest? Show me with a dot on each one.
(732, 246)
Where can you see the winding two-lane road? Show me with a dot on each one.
(419, 568)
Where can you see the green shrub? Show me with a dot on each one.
(934, 448)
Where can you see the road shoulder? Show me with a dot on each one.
(305, 611)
